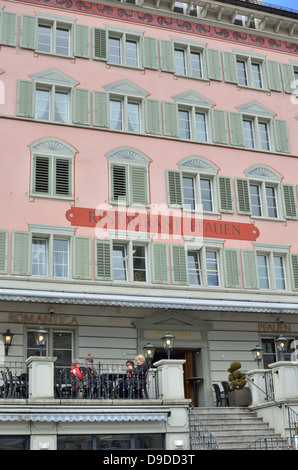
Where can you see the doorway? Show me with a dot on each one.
(191, 367)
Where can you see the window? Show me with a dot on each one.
(263, 200)
(270, 353)
(256, 133)
(194, 268)
(125, 114)
(272, 270)
(123, 50)
(59, 344)
(53, 37)
(129, 262)
(203, 267)
(120, 262)
(52, 104)
(242, 20)
(50, 257)
(188, 61)
(193, 125)
(249, 74)
(110, 442)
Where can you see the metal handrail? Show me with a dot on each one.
(293, 424)
(270, 443)
(269, 388)
(200, 436)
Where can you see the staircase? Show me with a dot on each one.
(238, 428)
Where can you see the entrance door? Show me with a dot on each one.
(190, 370)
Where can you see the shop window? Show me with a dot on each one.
(111, 442)
(59, 344)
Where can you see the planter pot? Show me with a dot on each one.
(240, 397)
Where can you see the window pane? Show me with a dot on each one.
(32, 349)
(194, 268)
(119, 262)
(279, 272)
(116, 117)
(115, 50)
(196, 65)
(60, 258)
(44, 40)
(42, 106)
(149, 441)
(62, 41)
(114, 441)
(180, 66)
(263, 271)
(132, 53)
(242, 75)
(296, 81)
(212, 268)
(269, 353)
(248, 134)
(62, 348)
(83, 442)
(184, 125)
(256, 75)
(255, 198)
(189, 192)
(201, 127)
(139, 263)
(133, 111)
(61, 107)
(271, 201)
(264, 136)
(206, 194)
(39, 257)
(14, 442)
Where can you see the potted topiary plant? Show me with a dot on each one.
(239, 394)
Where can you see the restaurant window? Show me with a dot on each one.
(59, 344)
(111, 442)
(130, 262)
(50, 257)
(14, 442)
(270, 354)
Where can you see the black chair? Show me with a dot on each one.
(226, 388)
(218, 395)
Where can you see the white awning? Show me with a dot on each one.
(174, 303)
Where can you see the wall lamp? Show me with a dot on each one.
(149, 351)
(7, 340)
(40, 338)
(257, 353)
(168, 343)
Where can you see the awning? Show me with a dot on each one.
(74, 415)
(174, 303)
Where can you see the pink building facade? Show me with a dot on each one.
(149, 181)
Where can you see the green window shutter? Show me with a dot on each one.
(250, 269)
(242, 196)
(231, 268)
(81, 106)
(229, 67)
(219, 126)
(150, 53)
(100, 44)
(26, 98)
(101, 109)
(63, 177)
(8, 28)
(273, 73)
(160, 263)
(174, 188)
(289, 201)
(119, 176)
(138, 185)
(179, 265)
(225, 194)
(28, 32)
(282, 143)
(103, 250)
(294, 270)
(153, 117)
(3, 251)
(21, 253)
(213, 64)
(81, 257)
(288, 78)
(170, 119)
(42, 171)
(166, 49)
(236, 129)
(81, 41)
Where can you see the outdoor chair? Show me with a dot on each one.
(226, 387)
(218, 395)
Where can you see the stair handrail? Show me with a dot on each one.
(207, 440)
(268, 396)
(293, 429)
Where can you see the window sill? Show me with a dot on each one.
(112, 64)
(49, 196)
(203, 79)
(248, 87)
(269, 219)
(53, 54)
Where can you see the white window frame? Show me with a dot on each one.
(202, 256)
(270, 254)
(55, 23)
(49, 239)
(124, 36)
(125, 100)
(262, 185)
(129, 261)
(187, 50)
(197, 177)
(255, 121)
(49, 343)
(192, 111)
(249, 61)
(52, 90)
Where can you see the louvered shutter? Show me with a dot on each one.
(225, 194)
(63, 183)
(213, 64)
(101, 109)
(231, 268)
(8, 28)
(179, 265)
(81, 41)
(174, 188)
(243, 196)
(42, 173)
(150, 53)
(21, 253)
(119, 182)
(28, 33)
(100, 44)
(236, 129)
(138, 185)
(230, 67)
(170, 119)
(250, 269)
(81, 106)
(81, 257)
(103, 259)
(273, 73)
(166, 56)
(26, 98)
(288, 78)
(219, 126)
(160, 263)
(152, 116)
(3, 251)
(294, 270)
(282, 143)
(289, 201)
